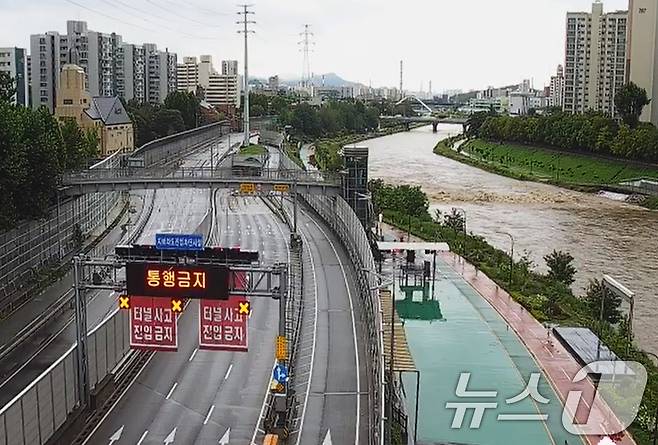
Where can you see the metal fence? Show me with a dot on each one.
(34, 245)
(37, 412)
(344, 222)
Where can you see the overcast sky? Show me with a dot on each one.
(465, 44)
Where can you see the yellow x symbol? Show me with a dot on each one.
(176, 305)
(124, 302)
(244, 308)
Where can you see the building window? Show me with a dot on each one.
(68, 101)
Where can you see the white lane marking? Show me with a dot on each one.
(117, 435)
(226, 437)
(193, 354)
(205, 421)
(228, 371)
(171, 390)
(171, 437)
(356, 346)
(327, 438)
(116, 402)
(565, 373)
(262, 408)
(315, 330)
(141, 439)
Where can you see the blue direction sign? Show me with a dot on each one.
(280, 373)
(175, 241)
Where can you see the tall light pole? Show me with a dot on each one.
(246, 22)
(511, 258)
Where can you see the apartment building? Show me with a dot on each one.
(14, 62)
(643, 55)
(595, 59)
(112, 67)
(221, 90)
(556, 89)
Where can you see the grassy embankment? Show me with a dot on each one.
(575, 171)
(547, 299)
(253, 150)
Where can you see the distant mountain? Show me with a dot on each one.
(328, 80)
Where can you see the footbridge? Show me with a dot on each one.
(428, 119)
(153, 178)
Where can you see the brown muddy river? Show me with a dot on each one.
(604, 235)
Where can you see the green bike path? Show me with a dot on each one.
(473, 338)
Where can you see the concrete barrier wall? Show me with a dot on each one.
(38, 411)
(173, 147)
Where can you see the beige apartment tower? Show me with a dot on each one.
(595, 59)
(643, 66)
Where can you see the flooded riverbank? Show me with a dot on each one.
(604, 235)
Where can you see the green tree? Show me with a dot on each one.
(560, 267)
(7, 87)
(167, 122)
(75, 145)
(13, 162)
(593, 297)
(475, 122)
(629, 102)
(187, 104)
(455, 220)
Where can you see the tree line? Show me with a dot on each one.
(34, 150)
(180, 111)
(331, 119)
(592, 132)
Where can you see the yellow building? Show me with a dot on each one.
(104, 114)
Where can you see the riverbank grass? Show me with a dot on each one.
(552, 166)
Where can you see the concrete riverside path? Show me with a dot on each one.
(558, 365)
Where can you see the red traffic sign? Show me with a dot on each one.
(153, 324)
(223, 326)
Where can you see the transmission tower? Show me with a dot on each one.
(306, 43)
(244, 14)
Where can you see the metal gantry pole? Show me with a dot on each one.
(81, 335)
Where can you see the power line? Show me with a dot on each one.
(155, 16)
(245, 12)
(180, 16)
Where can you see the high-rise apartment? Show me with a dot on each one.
(220, 89)
(556, 88)
(595, 59)
(643, 52)
(14, 62)
(112, 67)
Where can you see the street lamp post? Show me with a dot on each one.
(463, 213)
(511, 258)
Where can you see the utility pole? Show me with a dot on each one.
(401, 92)
(246, 22)
(306, 44)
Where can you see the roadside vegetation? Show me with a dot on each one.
(34, 150)
(253, 150)
(547, 297)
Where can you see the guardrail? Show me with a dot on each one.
(344, 222)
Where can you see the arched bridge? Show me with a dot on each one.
(264, 180)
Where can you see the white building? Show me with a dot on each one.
(556, 88)
(643, 67)
(221, 89)
(14, 62)
(595, 59)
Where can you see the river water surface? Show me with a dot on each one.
(604, 235)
